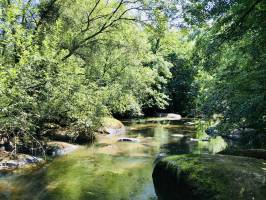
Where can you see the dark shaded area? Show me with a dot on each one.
(181, 89)
(254, 153)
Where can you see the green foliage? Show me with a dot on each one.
(72, 63)
(230, 56)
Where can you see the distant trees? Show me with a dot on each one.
(218, 62)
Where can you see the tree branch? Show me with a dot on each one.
(89, 15)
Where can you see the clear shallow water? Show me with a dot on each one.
(107, 170)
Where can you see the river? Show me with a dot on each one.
(107, 169)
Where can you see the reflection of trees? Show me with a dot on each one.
(180, 146)
(213, 146)
(161, 135)
(217, 144)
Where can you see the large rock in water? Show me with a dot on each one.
(112, 126)
(210, 177)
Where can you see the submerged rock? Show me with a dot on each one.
(208, 177)
(112, 126)
(128, 140)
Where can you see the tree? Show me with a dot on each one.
(229, 54)
(71, 63)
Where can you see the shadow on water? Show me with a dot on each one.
(107, 170)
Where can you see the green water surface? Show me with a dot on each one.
(107, 170)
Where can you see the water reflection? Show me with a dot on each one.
(108, 170)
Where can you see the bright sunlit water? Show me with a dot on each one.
(107, 170)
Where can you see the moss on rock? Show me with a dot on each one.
(212, 177)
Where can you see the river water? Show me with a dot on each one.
(108, 169)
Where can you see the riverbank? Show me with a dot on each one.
(62, 141)
(10, 162)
